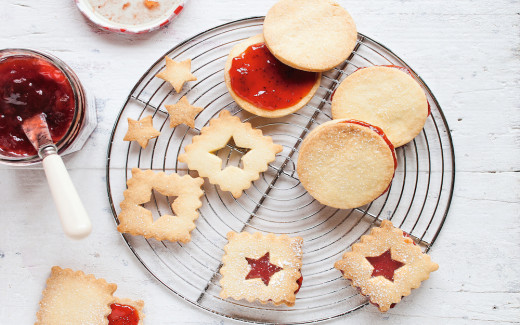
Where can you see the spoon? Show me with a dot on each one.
(74, 219)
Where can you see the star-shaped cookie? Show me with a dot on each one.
(141, 131)
(183, 113)
(177, 73)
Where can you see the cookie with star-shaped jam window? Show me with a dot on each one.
(262, 267)
(386, 265)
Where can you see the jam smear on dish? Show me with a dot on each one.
(259, 78)
(384, 265)
(123, 315)
(30, 86)
(262, 269)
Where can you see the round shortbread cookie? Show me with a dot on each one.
(311, 35)
(386, 97)
(345, 165)
(238, 50)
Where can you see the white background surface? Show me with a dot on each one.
(468, 52)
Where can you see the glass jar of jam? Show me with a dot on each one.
(33, 82)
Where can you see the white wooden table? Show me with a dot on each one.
(467, 51)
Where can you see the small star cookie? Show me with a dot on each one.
(141, 131)
(177, 73)
(386, 265)
(183, 113)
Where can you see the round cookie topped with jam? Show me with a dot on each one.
(386, 97)
(310, 35)
(263, 85)
(346, 164)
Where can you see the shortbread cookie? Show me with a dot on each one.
(177, 73)
(136, 220)
(264, 86)
(126, 311)
(183, 113)
(386, 265)
(311, 35)
(141, 131)
(261, 267)
(75, 298)
(199, 154)
(346, 164)
(386, 97)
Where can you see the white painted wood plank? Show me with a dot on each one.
(466, 51)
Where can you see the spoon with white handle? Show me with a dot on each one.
(74, 219)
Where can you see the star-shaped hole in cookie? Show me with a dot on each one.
(135, 219)
(231, 154)
(262, 269)
(384, 265)
(177, 73)
(141, 131)
(199, 154)
(183, 112)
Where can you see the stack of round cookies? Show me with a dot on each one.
(350, 161)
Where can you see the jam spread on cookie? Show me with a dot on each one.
(300, 282)
(259, 78)
(384, 265)
(123, 315)
(30, 86)
(262, 269)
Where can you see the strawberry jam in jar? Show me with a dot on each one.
(33, 83)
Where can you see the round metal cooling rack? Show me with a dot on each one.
(417, 202)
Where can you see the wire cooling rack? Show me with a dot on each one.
(417, 201)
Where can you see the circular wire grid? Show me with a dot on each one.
(417, 201)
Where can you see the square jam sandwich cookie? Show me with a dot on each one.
(386, 265)
(261, 267)
(72, 297)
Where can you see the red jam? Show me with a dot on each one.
(384, 265)
(123, 315)
(300, 282)
(259, 78)
(262, 269)
(30, 86)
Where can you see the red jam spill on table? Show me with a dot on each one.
(262, 269)
(123, 315)
(30, 86)
(384, 265)
(259, 78)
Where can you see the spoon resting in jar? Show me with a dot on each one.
(73, 216)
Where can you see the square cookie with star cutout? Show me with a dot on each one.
(386, 265)
(264, 268)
